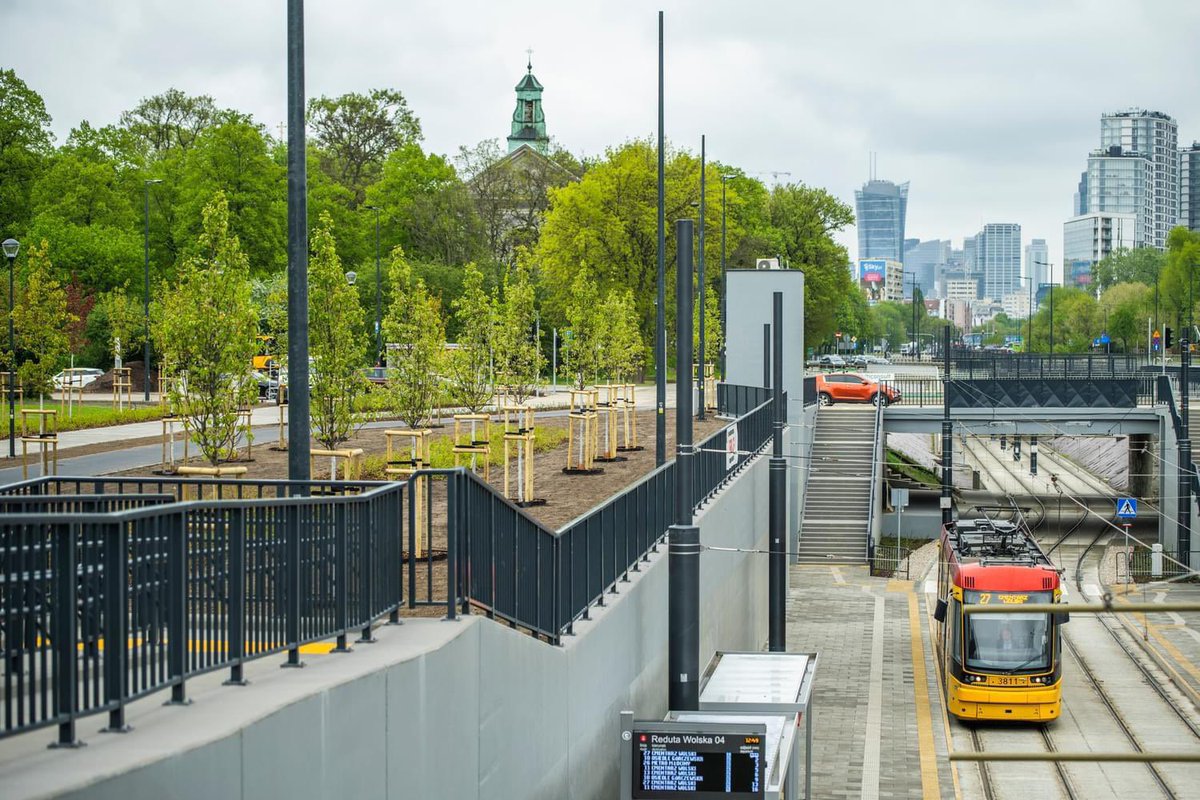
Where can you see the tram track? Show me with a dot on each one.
(1087, 556)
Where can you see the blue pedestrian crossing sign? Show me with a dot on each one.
(1127, 507)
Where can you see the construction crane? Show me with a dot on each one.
(773, 173)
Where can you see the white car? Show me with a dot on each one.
(80, 376)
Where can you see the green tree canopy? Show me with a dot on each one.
(356, 132)
(1140, 265)
(413, 324)
(25, 140)
(469, 365)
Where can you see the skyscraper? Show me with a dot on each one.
(1155, 137)
(1089, 238)
(998, 253)
(881, 207)
(1037, 259)
(1081, 196)
(926, 261)
(1189, 187)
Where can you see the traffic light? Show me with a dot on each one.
(1168, 337)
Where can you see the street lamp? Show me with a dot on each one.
(146, 293)
(351, 277)
(724, 180)
(378, 292)
(1050, 286)
(11, 247)
(1049, 271)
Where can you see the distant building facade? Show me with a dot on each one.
(881, 208)
(1189, 187)
(926, 261)
(963, 289)
(998, 255)
(1016, 304)
(1122, 183)
(1155, 137)
(1037, 262)
(958, 312)
(1089, 238)
(881, 278)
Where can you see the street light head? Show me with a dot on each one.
(351, 277)
(11, 247)
(149, 181)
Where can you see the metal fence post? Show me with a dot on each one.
(177, 598)
(341, 571)
(291, 569)
(64, 634)
(237, 596)
(116, 625)
(452, 523)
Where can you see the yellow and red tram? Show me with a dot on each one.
(998, 666)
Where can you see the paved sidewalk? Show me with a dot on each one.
(878, 725)
(264, 422)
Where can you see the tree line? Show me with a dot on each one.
(149, 174)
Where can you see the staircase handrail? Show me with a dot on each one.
(876, 460)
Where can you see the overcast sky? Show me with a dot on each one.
(988, 109)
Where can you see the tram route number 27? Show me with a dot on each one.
(1006, 599)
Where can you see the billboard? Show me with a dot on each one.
(872, 270)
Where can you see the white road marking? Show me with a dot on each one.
(837, 575)
(870, 779)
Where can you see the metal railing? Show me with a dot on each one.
(1167, 397)
(114, 588)
(928, 391)
(734, 400)
(877, 458)
(890, 561)
(103, 608)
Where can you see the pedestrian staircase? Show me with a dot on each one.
(834, 529)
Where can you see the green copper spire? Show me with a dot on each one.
(528, 121)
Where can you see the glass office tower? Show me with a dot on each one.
(881, 207)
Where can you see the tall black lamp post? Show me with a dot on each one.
(146, 292)
(724, 180)
(11, 248)
(378, 292)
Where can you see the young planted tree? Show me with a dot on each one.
(125, 321)
(621, 341)
(583, 349)
(414, 325)
(205, 327)
(519, 360)
(335, 322)
(470, 365)
(714, 337)
(40, 320)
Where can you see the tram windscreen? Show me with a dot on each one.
(1007, 642)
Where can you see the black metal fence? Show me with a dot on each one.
(972, 365)
(113, 588)
(103, 608)
(734, 400)
(1030, 392)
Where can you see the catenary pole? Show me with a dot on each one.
(660, 332)
(777, 499)
(701, 360)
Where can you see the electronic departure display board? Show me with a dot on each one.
(724, 761)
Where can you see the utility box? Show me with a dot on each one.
(748, 307)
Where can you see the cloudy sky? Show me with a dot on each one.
(987, 108)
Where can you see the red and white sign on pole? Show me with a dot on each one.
(731, 447)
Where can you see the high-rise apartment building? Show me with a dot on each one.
(1089, 238)
(1081, 196)
(998, 255)
(1037, 262)
(1189, 187)
(881, 207)
(1155, 137)
(1122, 182)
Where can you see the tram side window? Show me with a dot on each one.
(954, 621)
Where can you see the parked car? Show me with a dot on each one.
(81, 376)
(828, 361)
(848, 387)
(864, 361)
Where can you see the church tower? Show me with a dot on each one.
(528, 121)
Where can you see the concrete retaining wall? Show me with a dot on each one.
(482, 711)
